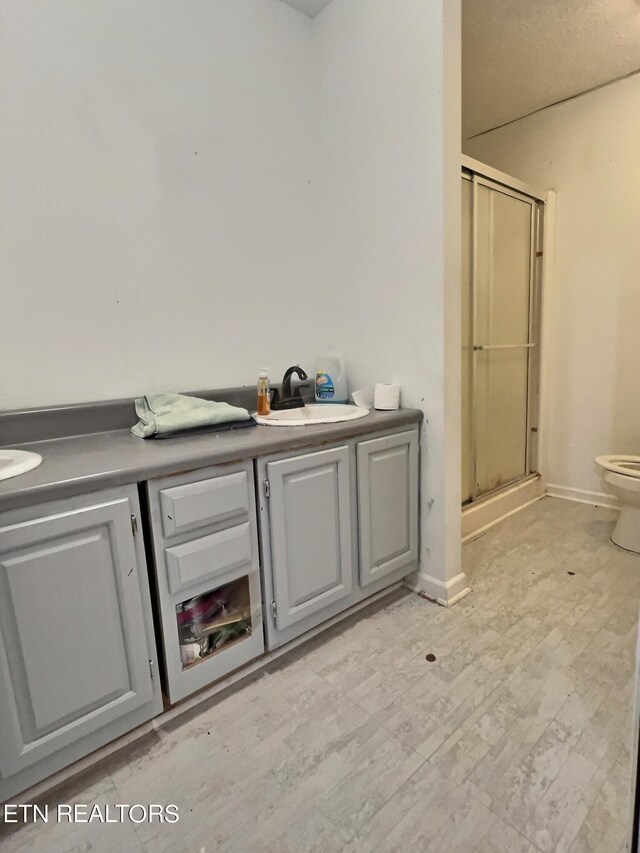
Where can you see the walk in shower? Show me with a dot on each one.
(502, 231)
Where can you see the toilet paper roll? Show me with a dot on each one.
(386, 397)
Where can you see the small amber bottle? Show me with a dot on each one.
(264, 398)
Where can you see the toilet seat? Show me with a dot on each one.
(628, 466)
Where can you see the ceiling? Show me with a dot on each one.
(521, 55)
(309, 7)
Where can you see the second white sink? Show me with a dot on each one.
(14, 462)
(316, 413)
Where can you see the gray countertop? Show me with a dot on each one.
(79, 464)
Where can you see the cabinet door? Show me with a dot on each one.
(310, 521)
(74, 656)
(387, 504)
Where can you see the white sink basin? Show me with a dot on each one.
(316, 413)
(14, 462)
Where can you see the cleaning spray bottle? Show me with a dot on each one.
(331, 377)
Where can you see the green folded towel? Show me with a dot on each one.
(165, 413)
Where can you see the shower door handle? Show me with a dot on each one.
(483, 347)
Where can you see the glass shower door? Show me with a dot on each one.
(498, 281)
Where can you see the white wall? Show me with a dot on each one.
(314, 210)
(155, 164)
(587, 150)
(388, 164)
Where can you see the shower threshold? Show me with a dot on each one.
(492, 507)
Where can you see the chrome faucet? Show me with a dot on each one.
(285, 399)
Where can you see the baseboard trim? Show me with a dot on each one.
(444, 593)
(583, 496)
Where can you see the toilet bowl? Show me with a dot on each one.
(622, 475)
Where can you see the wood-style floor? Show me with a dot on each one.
(517, 737)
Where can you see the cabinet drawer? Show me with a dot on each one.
(204, 502)
(208, 557)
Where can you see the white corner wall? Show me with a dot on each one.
(388, 120)
(586, 150)
(155, 164)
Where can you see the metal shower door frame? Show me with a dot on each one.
(533, 346)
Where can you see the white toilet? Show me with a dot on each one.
(622, 474)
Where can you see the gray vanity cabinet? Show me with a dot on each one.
(76, 635)
(310, 512)
(387, 504)
(338, 525)
(207, 574)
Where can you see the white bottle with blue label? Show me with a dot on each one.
(331, 377)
